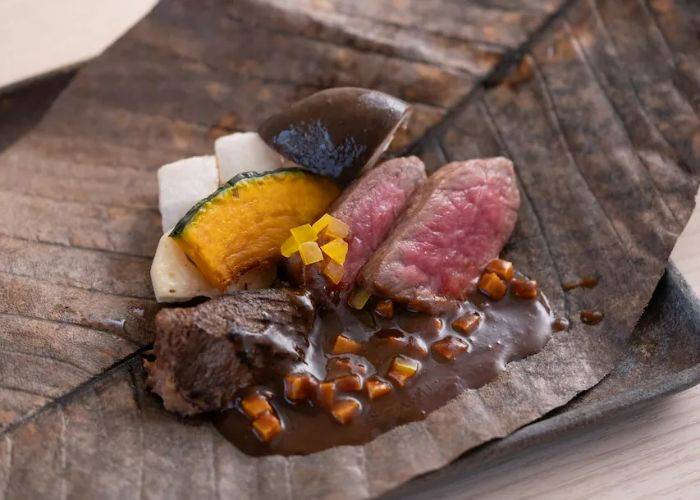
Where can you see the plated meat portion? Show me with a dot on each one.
(456, 223)
(370, 207)
(205, 354)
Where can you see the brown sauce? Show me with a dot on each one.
(508, 330)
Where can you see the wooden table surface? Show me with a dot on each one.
(647, 452)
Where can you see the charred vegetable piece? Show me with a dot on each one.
(336, 132)
(246, 221)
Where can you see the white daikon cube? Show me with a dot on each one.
(174, 277)
(244, 152)
(183, 183)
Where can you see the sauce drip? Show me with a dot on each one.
(508, 330)
(587, 282)
(590, 317)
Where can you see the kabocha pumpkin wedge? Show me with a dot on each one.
(244, 223)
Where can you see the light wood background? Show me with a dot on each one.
(647, 452)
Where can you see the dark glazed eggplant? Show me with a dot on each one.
(336, 132)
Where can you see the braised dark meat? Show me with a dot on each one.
(205, 354)
(456, 223)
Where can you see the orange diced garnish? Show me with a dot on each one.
(385, 308)
(334, 272)
(344, 410)
(416, 347)
(466, 324)
(492, 286)
(525, 289)
(289, 247)
(358, 298)
(303, 233)
(377, 388)
(326, 394)
(310, 252)
(349, 383)
(344, 365)
(402, 368)
(450, 347)
(502, 268)
(322, 223)
(336, 228)
(336, 249)
(346, 345)
(299, 386)
(267, 426)
(436, 325)
(255, 405)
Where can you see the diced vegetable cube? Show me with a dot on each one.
(344, 410)
(310, 252)
(358, 298)
(299, 386)
(322, 223)
(450, 347)
(336, 228)
(385, 308)
(345, 345)
(334, 272)
(303, 233)
(255, 405)
(502, 268)
(336, 249)
(377, 388)
(492, 286)
(349, 383)
(402, 368)
(267, 426)
(467, 323)
(525, 289)
(289, 247)
(326, 394)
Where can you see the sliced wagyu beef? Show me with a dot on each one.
(370, 206)
(457, 221)
(204, 354)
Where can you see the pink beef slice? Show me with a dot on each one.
(455, 224)
(370, 207)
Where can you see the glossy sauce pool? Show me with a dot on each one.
(509, 329)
